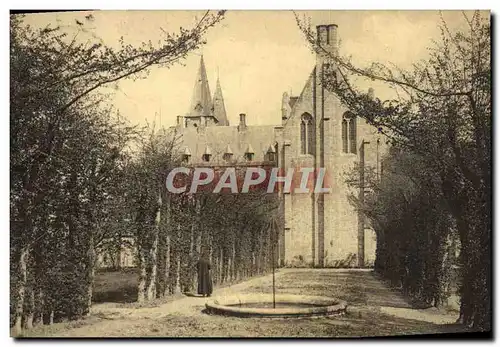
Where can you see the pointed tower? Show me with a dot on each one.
(201, 110)
(219, 107)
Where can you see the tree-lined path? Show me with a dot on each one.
(85, 181)
(373, 310)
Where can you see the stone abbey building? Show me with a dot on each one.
(321, 230)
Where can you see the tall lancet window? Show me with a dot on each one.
(349, 140)
(344, 136)
(307, 134)
(352, 134)
(303, 129)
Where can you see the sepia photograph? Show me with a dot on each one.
(250, 173)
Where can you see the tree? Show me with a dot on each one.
(415, 231)
(443, 114)
(67, 154)
(171, 231)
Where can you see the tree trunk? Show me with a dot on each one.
(28, 320)
(41, 306)
(166, 287)
(215, 266)
(21, 284)
(153, 279)
(197, 255)
(90, 271)
(189, 261)
(178, 274)
(260, 257)
(252, 273)
(29, 295)
(141, 288)
(90, 289)
(167, 224)
(233, 262)
(151, 288)
(228, 269)
(177, 282)
(119, 250)
(221, 266)
(210, 249)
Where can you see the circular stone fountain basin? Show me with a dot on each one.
(287, 305)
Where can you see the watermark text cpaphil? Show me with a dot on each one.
(247, 179)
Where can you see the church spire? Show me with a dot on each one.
(219, 107)
(201, 103)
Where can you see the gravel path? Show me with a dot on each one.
(373, 309)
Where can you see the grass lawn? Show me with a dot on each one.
(116, 285)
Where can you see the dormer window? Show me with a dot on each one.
(271, 153)
(207, 154)
(186, 156)
(249, 153)
(228, 154)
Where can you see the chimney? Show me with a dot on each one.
(243, 122)
(180, 121)
(285, 105)
(327, 42)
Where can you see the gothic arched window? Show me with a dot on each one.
(349, 141)
(352, 134)
(307, 134)
(303, 129)
(344, 135)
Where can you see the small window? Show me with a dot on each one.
(271, 153)
(228, 154)
(186, 156)
(249, 153)
(207, 154)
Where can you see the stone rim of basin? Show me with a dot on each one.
(323, 305)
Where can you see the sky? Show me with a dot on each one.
(257, 55)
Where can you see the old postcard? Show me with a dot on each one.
(250, 173)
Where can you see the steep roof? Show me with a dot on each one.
(298, 101)
(219, 107)
(201, 102)
(229, 139)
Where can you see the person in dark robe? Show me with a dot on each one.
(204, 275)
